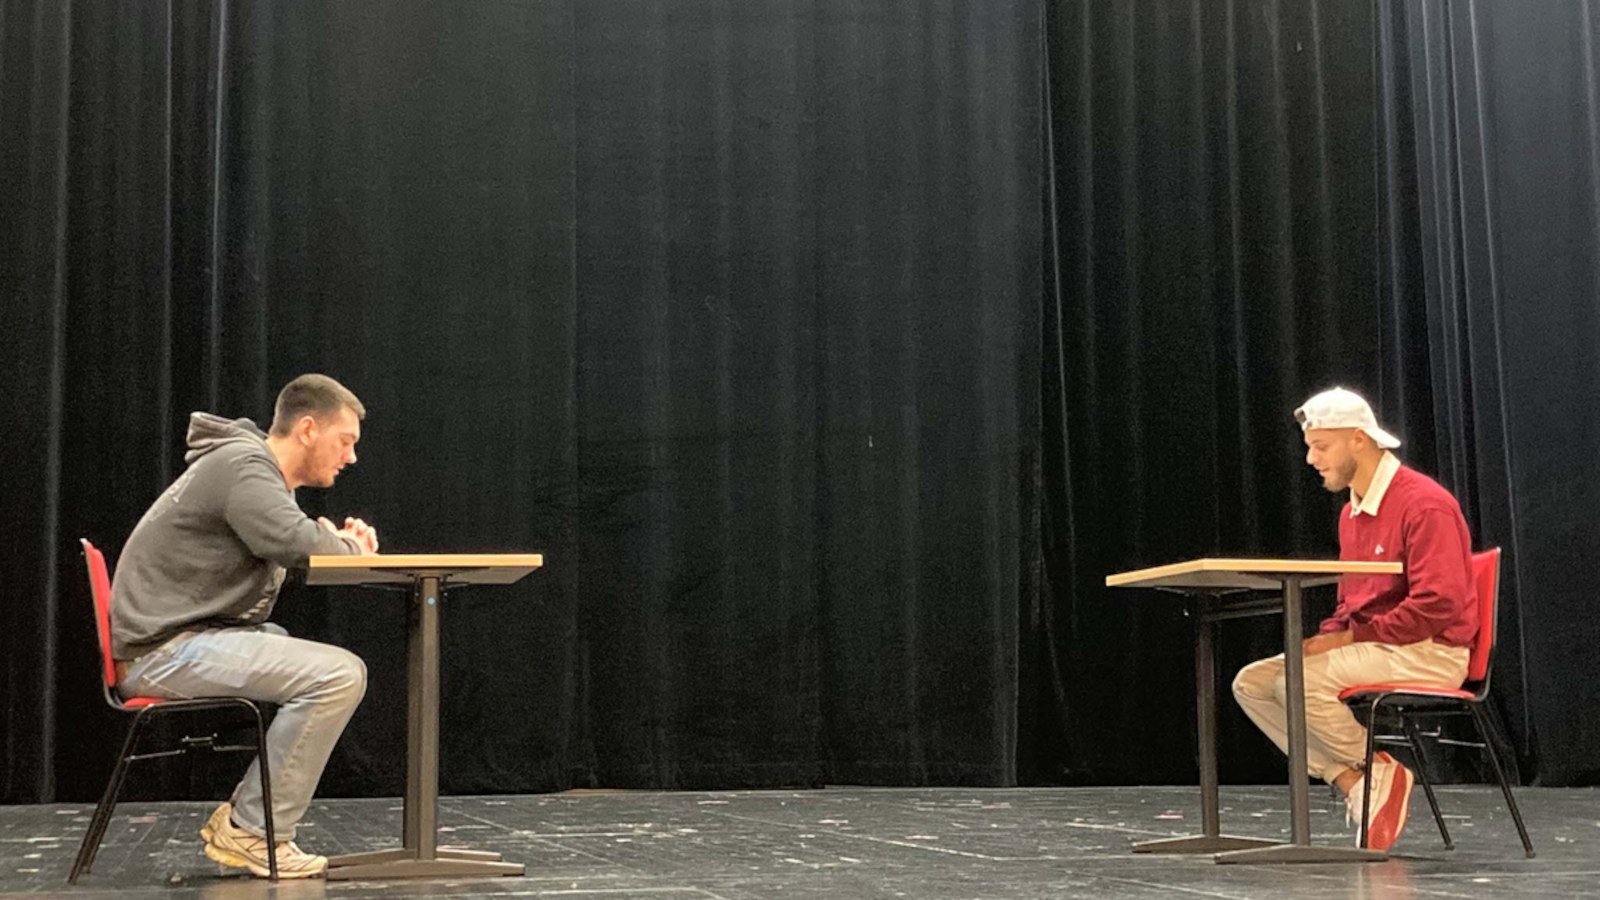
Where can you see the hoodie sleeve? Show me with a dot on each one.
(262, 512)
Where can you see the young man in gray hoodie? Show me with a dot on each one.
(196, 582)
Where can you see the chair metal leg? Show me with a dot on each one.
(120, 776)
(1421, 759)
(1366, 773)
(1500, 775)
(266, 792)
(101, 819)
(108, 802)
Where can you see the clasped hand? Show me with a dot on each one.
(363, 534)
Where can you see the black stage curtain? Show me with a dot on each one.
(727, 308)
(1490, 264)
(1212, 264)
(1253, 201)
(832, 352)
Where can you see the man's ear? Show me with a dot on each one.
(306, 430)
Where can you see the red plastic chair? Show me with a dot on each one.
(1424, 700)
(144, 709)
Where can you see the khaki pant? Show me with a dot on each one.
(1335, 740)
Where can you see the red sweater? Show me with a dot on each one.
(1418, 524)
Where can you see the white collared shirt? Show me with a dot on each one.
(1387, 466)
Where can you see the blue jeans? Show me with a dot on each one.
(316, 686)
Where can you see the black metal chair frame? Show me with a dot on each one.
(1420, 703)
(1399, 703)
(143, 715)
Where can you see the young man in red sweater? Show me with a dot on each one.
(1417, 627)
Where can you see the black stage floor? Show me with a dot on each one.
(840, 843)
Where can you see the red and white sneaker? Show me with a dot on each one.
(1391, 802)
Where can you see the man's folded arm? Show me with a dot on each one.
(262, 512)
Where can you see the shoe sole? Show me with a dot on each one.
(228, 858)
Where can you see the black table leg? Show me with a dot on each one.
(421, 856)
(1299, 849)
(1212, 840)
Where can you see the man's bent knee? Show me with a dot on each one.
(1241, 687)
(1254, 682)
(356, 672)
(346, 676)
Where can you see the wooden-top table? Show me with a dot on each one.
(429, 576)
(1229, 589)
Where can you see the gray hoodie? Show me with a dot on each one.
(212, 549)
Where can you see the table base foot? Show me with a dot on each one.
(450, 864)
(1202, 843)
(1284, 854)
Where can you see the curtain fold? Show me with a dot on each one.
(35, 74)
(1491, 263)
(1211, 265)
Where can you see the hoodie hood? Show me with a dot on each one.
(208, 432)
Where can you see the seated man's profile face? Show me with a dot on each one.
(331, 446)
(1331, 452)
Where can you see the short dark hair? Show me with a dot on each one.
(317, 396)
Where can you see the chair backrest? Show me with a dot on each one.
(100, 589)
(1486, 579)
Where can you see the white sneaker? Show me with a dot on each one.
(1352, 805)
(233, 846)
